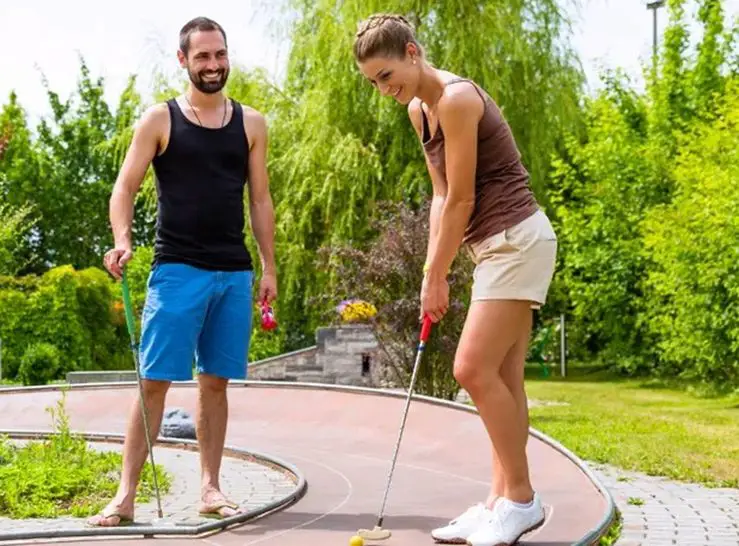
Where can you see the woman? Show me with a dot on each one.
(481, 200)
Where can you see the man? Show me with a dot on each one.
(204, 149)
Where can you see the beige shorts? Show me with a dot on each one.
(516, 263)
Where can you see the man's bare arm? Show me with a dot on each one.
(143, 148)
(261, 209)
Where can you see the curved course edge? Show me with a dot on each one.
(590, 539)
(276, 463)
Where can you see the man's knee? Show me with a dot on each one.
(154, 388)
(212, 383)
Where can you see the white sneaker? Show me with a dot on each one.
(508, 523)
(457, 531)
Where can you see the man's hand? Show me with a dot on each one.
(116, 259)
(268, 288)
(434, 297)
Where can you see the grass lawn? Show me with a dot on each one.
(641, 425)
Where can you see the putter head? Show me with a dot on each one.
(378, 533)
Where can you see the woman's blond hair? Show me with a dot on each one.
(384, 35)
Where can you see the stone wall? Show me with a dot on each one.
(347, 354)
(343, 355)
(296, 366)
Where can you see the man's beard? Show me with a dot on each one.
(206, 86)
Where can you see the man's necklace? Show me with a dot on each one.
(225, 109)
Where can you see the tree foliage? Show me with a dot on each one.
(692, 285)
(74, 312)
(65, 172)
(641, 186)
(338, 148)
(14, 227)
(647, 264)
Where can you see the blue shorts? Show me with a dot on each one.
(196, 318)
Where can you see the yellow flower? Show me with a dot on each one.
(357, 310)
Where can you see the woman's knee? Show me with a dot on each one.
(475, 375)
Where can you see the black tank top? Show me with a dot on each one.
(200, 181)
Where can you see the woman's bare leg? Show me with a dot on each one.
(493, 328)
(512, 374)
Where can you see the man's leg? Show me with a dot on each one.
(135, 453)
(177, 298)
(211, 421)
(222, 355)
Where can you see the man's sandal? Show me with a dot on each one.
(98, 519)
(215, 510)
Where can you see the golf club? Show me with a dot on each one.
(378, 533)
(128, 308)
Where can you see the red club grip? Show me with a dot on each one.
(426, 328)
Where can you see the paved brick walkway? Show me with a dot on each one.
(250, 484)
(658, 511)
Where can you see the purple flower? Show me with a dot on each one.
(340, 308)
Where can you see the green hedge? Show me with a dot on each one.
(63, 320)
(67, 320)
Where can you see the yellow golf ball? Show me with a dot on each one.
(356, 541)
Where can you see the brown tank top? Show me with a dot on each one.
(503, 197)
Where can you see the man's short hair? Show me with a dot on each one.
(198, 24)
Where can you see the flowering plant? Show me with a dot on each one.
(118, 314)
(356, 310)
(388, 271)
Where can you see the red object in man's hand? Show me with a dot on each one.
(268, 317)
(426, 329)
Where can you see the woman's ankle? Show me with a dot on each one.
(521, 495)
